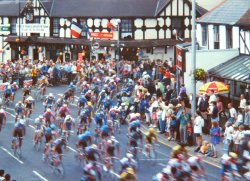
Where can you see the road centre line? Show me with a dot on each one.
(71, 149)
(161, 164)
(4, 149)
(40, 176)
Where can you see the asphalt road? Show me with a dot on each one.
(31, 167)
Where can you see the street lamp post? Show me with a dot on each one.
(193, 62)
(118, 44)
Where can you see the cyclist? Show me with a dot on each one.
(134, 137)
(58, 104)
(19, 110)
(100, 119)
(7, 94)
(2, 118)
(68, 123)
(19, 131)
(133, 126)
(14, 88)
(112, 145)
(91, 171)
(128, 174)
(63, 111)
(92, 153)
(84, 140)
(42, 85)
(107, 130)
(49, 101)
(57, 146)
(28, 106)
(164, 175)
(100, 98)
(81, 103)
(39, 123)
(49, 117)
(229, 165)
(128, 162)
(196, 167)
(26, 91)
(72, 87)
(150, 137)
(67, 95)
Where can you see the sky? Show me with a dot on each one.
(208, 4)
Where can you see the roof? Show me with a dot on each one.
(245, 19)
(94, 8)
(128, 43)
(237, 69)
(228, 12)
(10, 7)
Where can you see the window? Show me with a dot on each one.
(13, 25)
(126, 29)
(37, 20)
(229, 37)
(177, 24)
(216, 37)
(84, 32)
(204, 35)
(56, 27)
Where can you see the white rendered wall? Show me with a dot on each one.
(236, 38)
(223, 36)
(211, 37)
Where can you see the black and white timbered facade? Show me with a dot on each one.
(151, 25)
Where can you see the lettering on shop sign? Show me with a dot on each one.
(33, 28)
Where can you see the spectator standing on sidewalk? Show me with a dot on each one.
(214, 112)
(228, 138)
(246, 118)
(184, 117)
(215, 137)
(239, 120)
(203, 103)
(198, 124)
(232, 113)
(238, 138)
(243, 102)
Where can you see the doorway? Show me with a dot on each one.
(35, 54)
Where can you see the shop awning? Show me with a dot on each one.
(103, 43)
(237, 69)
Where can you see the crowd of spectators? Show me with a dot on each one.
(5, 176)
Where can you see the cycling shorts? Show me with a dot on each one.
(58, 149)
(18, 132)
(111, 150)
(82, 143)
(48, 138)
(29, 105)
(7, 95)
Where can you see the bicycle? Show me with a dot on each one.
(38, 94)
(17, 151)
(38, 143)
(57, 165)
(80, 157)
(116, 126)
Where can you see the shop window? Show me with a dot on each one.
(229, 38)
(204, 35)
(216, 37)
(126, 29)
(56, 27)
(13, 25)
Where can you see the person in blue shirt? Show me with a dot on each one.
(92, 152)
(133, 126)
(49, 101)
(84, 140)
(107, 103)
(19, 109)
(7, 93)
(100, 98)
(100, 119)
(106, 130)
(58, 104)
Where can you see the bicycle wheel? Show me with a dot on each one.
(19, 152)
(61, 171)
(38, 145)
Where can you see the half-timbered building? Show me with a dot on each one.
(153, 26)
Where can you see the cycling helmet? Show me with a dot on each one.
(112, 138)
(30, 98)
(50, 95)
(67, 117)
(53, 126)
(138, 115)
(89, 104)
(48, 110)
(1, 111)
(109, 122)
(65, 105)
(87, 133)
(22, 121)
(130, 170)
(129, 155)
(109, 142)
(151, 130)
(94, 146)
(41, 117)
(233, 155)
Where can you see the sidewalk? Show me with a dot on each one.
(209, 160)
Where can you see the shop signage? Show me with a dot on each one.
(33, 28)
(4, 27)
(101, 35)
(180, 59)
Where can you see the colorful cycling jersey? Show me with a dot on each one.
(113, 115)
(38, 124)
(72, 87)
(90, 150)
(19, 109)
(8, 91)
(107, 102)
(88, 110)
(59, 142)
(82, 101)
(135, 123)
(85, 90)
(99, 117)
(50, 100)
(59, 104)
(14, 88)
(68, 124)
(84, 136)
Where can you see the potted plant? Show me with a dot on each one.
(199, 74)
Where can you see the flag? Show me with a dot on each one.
(76, 29)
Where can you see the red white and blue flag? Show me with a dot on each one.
(76, 30)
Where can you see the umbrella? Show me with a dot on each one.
(217, 87)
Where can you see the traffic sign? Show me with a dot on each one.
(96, 46)
(5, 27)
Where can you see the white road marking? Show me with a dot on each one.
(10, 108)
(40, 176)
(10, 114)
(162, 153)
(157, 159)
(118, 176)
(71, 149)
(161, 164)
(31, 126)
(21, 162)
